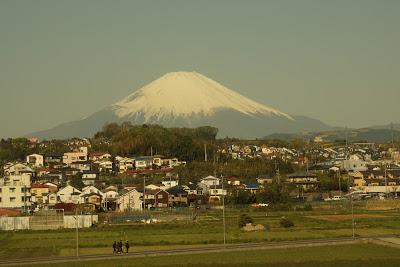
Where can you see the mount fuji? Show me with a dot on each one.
(189, 99)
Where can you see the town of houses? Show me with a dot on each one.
(43, 181)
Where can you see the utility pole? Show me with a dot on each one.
(223, 208)
(391, 129)
(352, 215)
(340, 186)
(347, 145)
(144, 193)
(278, 176)
(385, 178)
(77, 233)
(205, 152)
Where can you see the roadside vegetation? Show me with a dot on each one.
(341, 255)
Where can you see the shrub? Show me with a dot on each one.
(308, 207)
(286, 223)
(244, 219)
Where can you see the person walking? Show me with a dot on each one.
(115, 247)
(120, 247)
(127, 246)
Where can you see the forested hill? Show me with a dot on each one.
(126, 140)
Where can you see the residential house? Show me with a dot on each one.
(124, 164)
(252, 187)
(129, 201)
(81, 165)
(92, 198)
(178, 196)
(69, 194)
(37, 193)
(89, 177)
(99, 156)
(35, 160)
(304, 180)
(50, 199)
(17, 169)
(81, 155)
(105, 165)
(53, 159)
(142, 163)
(156, 198)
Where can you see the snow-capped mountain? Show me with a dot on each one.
(186, 94)
(189, 99)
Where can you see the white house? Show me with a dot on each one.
(98, 156)
(17, 169)
(105, 165)
(50, 199)
(15, 191)
(124, 164)
(81, 155)
(35, 160)
(131, 200)
(89, 177)
(69, 194)
(354, 163)
(91, 189)
(210, 181)
(170, 183)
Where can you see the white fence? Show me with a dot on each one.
(84, 221)
(14, 223)
(23, 223)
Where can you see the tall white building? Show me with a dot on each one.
(15, 191)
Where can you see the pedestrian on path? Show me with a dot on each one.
(115, 247)
(120, 247)
(127, 246)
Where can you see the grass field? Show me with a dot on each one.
(344, 255)
(207, 229)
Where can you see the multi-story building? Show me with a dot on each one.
(15, 191)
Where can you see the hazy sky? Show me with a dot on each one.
(338, 61)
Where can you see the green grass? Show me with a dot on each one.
(207, 230)
(344, 255)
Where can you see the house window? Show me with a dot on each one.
(12, 190)
(0, 189)
(159, 196)
(12, 199)
(0, 199)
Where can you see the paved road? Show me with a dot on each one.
(214, 248)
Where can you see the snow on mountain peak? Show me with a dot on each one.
(183, 94)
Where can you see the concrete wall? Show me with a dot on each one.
(23, 223)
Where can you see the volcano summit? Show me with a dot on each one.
(189, 99)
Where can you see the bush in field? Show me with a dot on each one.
(308, 207)
(286, 223)
(245, 219)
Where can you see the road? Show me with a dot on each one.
(382, 240)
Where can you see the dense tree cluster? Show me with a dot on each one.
(127, 140)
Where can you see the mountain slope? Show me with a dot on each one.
(189, 99)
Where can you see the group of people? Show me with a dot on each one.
(117, 246)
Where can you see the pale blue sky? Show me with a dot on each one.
(338, 61)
